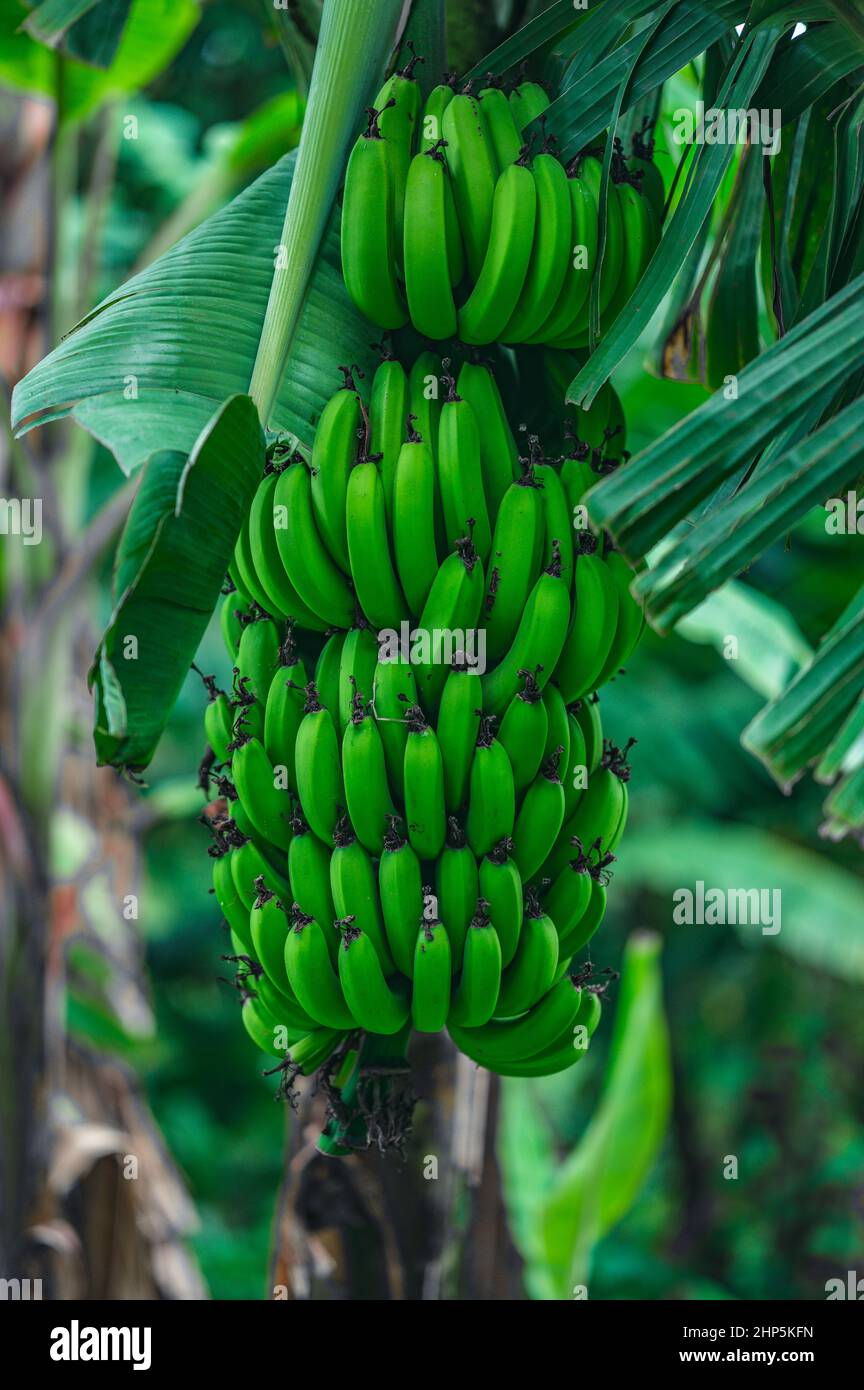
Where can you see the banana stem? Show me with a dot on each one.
(356, 37)
(376, 1104)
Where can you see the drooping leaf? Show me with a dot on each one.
(89, 30)
(641, 503)
(147, 368)
(728, 538)
(707, 172)
(171, 563)
(794, 730)
(153, 33)
(603, 1175)
(585, 109)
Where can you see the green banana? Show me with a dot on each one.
(394, 692)
(631, 618)
(307, 561)
(642, 163)
(639, 241)
(432, 123)
(309, 872)
(424, 787)
(310, 971)
(598, 813)
(495, 1042)
(227, 895)
(319, 770)
(452, 608)
(538, 642)
(218, 721)
(512, 573)
(528, 101)
(557, 517)
(557, 727)
(576, 778)
(414, 519)
(550, 252)
(457, 726)
(428, 276)
(460, 473)
(577, 335)
(430, 997)
(581, 933)
(388, 411)
(375, 582)
(400, 887)
(568, 896)
(248, 866)
(369, 245)
(267, 562)
(365, 773)
(230, 624)
(491, 792)
(244, 568)
(267, 805)
(569, 313)
(568, 1049)
(500, 885)
(262, 1030)
(503, 275)
(587, 712)
(473, 169)
(328, 670)
(504, 134)
(335, 450)
(313, 1050)
(399, 105)
(283, 711)
(524, 730)
(258, 657)
(357, 664)
(499, 461)
(591, 634)
(283, 1008)
(476, 993)
(268, 926)
(457, 888)
(540, 818)
(532, 969)
(354, 885)
(376, 1007)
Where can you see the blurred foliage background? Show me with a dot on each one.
(766, 1031)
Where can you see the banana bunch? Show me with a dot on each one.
(450, 220)
(416, 811)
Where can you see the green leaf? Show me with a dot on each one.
(706, 176)
(845, 752)
(641, 503)
(171, 563)
(154, 32)
(730, 536)
(770, 649)
(805, 68)
(602, 1177)
(793, 730)
(89, 30)
(845, 803)
(585, 109)
(147, 368)
(821, 905)
(533, 35)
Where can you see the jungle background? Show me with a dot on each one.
(109, 882)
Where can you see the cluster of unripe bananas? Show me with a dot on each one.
(417, 808)
(452, 220)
